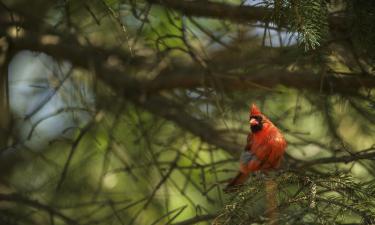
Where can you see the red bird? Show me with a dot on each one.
(264, 150)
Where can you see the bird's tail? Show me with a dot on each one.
(236, 182)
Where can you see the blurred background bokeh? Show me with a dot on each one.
(136, 112)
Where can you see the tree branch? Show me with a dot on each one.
(234, 13)
(190, 77)
(364, 154)
(217, 10)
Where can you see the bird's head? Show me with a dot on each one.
(256, 119)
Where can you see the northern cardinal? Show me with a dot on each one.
(264, 150)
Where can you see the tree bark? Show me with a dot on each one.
(4, 98)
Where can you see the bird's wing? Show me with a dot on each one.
(249, 162)
(247, 156)
(248, 142)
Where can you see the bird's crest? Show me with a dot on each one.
(254, 111)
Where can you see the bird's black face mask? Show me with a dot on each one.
(256, 123)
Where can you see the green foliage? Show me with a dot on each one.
(308, 18)
(303, 198)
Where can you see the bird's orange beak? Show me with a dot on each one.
(253, 122)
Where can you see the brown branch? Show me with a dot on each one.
(4, 93)
(217, 10)
(190, 77)
(235, 13)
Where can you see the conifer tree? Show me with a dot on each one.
(136, 111)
